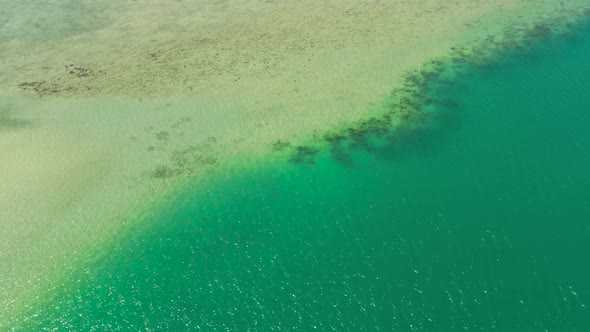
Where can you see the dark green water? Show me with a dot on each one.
(480, 223)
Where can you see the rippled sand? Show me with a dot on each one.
(107, 108)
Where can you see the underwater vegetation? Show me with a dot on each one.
(75, 79)
(280, 145)
(412, 111)
(186, 161)
(304, 155)
(178, 158)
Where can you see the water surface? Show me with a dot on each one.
(478, 223)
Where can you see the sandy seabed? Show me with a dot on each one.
(108, 108)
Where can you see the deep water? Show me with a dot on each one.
(481, 223)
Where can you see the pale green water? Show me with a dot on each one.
(480, 221)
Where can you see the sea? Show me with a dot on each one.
(473, 216)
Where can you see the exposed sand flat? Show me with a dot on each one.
(106, 108)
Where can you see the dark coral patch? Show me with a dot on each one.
(305, 155)
(280, 145)
(421, 102)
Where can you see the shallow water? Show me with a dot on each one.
(479, 223)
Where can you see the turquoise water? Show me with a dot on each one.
(478, 222)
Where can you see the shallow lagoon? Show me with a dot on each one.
(477, 221)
